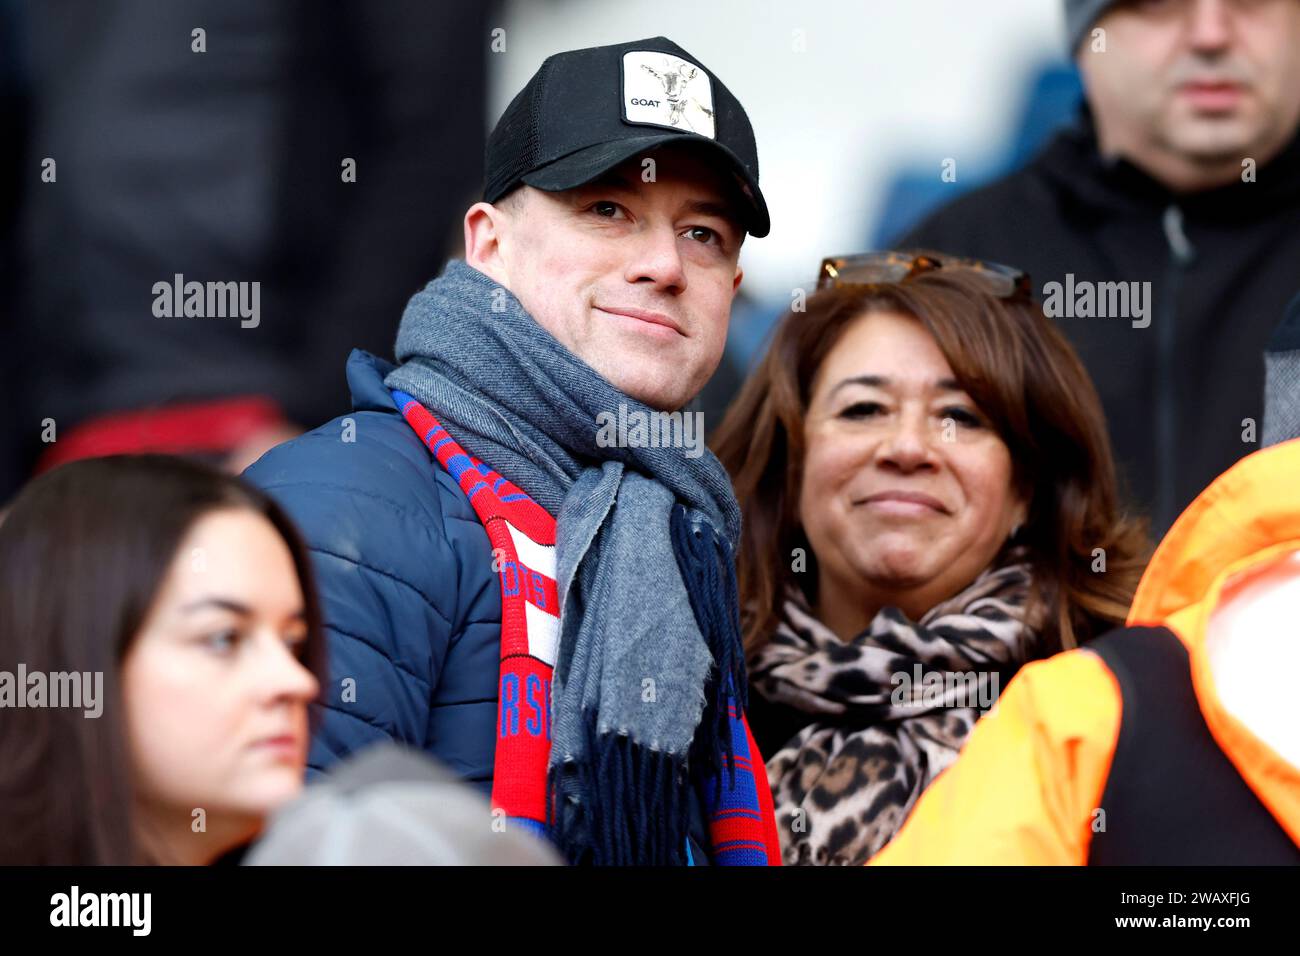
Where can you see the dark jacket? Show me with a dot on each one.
(412, 607)
(1222, 265)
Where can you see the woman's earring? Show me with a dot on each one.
(1015, 533)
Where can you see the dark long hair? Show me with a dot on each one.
(83, 553)
(1021, 372)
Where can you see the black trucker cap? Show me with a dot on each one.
(586, 111)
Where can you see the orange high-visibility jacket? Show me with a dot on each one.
(1024, 789)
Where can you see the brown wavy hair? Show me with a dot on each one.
(1024, 377)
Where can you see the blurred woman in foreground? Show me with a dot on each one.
(164, 621)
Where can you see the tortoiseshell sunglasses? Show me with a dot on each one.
(872, 268)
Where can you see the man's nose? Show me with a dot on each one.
(658, 259)
(1210, 25)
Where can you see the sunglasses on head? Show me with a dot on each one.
(882, 268)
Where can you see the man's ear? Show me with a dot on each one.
(485, 229)
(735, 285)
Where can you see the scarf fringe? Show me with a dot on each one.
(634, 808)
(708, 571)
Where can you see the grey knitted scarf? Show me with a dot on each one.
(634, 668)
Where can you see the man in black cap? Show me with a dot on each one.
(524, 551)
(1163, 228)
(569, 157)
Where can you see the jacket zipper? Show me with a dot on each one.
(1181, 255)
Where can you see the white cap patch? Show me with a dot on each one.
(660, 89)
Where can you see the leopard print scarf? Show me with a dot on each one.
(846, 782)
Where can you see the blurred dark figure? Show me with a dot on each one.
(227, 166)
(13, 130)
(1182, 171)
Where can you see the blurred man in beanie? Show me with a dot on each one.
(1163, 228)
(524, 549)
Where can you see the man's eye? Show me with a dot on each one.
(702, 234)
(607, 210)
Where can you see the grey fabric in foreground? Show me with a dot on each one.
(391, 806)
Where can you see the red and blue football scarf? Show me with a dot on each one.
(742, 822)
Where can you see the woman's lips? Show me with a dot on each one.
(907, 503)
(282, 747)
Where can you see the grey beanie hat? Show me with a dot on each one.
(1080, 15)
(388, 805)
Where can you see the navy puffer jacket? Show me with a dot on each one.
(412, 607)
(411, 604)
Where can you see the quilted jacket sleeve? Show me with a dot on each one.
(387, 574)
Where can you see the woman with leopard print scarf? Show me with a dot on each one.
(866, 737)
(930, 502)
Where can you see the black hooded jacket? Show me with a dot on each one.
(1222, 264)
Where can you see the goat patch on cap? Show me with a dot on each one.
(586, 111)
(660, 89)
